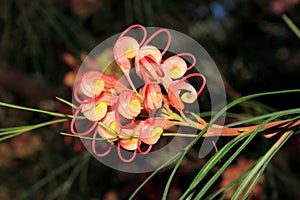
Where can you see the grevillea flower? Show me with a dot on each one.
(130, 143)
(94, 111)
(128, 106)
(110, 122)
(176, 66)
(119, 114)
(147, 63)
(189, 94)
(181, 92)
(152, 97)
(151, 130)
(91, 84)
(95, 87)
(125, 49)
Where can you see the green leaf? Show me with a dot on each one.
(219, 114)
(291, 25)
(34, 110)
(8, 133)
(229, 161)
(66, 102)
(260, 166)
(261, 117)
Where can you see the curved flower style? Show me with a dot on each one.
(189, 96)
(147, 64)
(129, 119)
(153, 97)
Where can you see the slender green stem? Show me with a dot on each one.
(67, 102)
(34, 110)
(180, 135)
(22, 129)
(90, 138)
(291, 25)
(108, 128)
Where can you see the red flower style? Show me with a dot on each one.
(129, 118)
(153, 97)
(147, 64)
(189, 96)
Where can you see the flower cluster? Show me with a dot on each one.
(131, 117)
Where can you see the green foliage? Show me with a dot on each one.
(256, 170)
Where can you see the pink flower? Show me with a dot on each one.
(126, 48)
(94, 111)
(181, 92)
(176, 67)
(147, 64)
(110, 122)
(151, 130)
(128, 106)
(118, 114)
(130, 143)
(92, 83)
(152, 97)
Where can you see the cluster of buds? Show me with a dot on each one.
(130, 117)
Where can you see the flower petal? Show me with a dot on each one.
(93, 111)
(125, 48)
(188, 96)
(151, 130)
(91, 83)
(147, 63)
(130, 143)
(152, 97)
(129, 104)
(106, 97)
(109, 121)
(177, 66)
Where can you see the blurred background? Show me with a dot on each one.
(43, 43)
